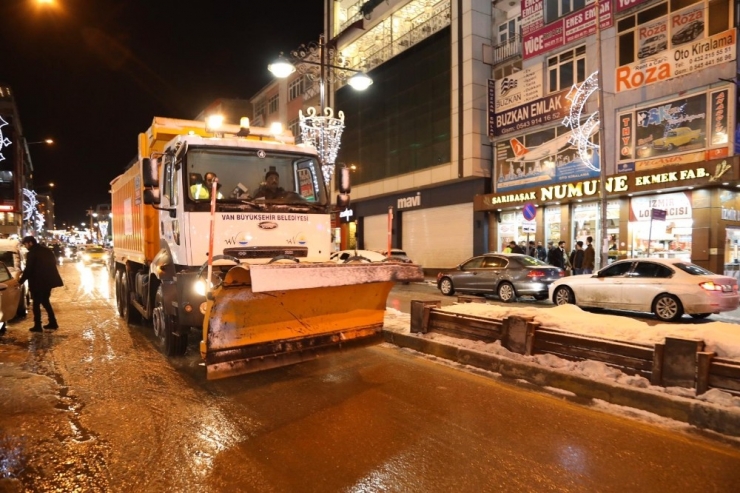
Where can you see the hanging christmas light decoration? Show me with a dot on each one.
(29, 204)
(103, 227)
(4, 141)
(323, 132)
(582, 132)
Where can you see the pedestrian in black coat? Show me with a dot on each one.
(42, 276)
(558, 255)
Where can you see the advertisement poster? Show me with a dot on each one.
(551, 108)
(519, 88)
(540, 38)
(539, 159)
(687, 25)
(305, 185)
(683, 130)
(652, 38)
(697, 54)
(628, 4)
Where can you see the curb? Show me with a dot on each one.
(701, 414)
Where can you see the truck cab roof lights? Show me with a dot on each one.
(214, 123)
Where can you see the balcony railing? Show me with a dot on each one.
(506, 50)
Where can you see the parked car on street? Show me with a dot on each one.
(509, 275)
(11, 296)
(95, 255)
(397, 254)
(666, 287)
(677, 137)
(356, 255)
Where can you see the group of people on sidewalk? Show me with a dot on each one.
(580, 260)
(42, 276)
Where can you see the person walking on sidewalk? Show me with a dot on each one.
(42, 276)
(589, 256)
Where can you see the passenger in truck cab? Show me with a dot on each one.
(270, 189)
(200, 190)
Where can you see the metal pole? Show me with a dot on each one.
(322, 89)
(602, 137)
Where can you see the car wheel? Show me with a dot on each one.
(700, 315)
(670, 147)
(563, 296)
(445, 285)
(506, 292)
(667, 308)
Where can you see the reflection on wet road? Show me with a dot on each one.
(94, 407)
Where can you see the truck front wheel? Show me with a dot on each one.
(171, 338)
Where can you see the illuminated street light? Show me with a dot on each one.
(45, 141)
(321, 62)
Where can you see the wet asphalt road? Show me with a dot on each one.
(94, 407)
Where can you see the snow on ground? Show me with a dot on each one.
(720, 337)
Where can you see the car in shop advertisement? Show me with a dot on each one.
(541, 159)
(690, 52)
(683, 130)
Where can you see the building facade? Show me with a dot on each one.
(661, 145)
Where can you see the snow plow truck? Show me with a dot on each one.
(198, 244)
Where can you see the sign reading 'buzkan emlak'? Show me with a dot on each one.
(545, 110)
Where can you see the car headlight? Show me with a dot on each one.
(200, 287)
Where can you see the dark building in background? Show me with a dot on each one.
(15, 165)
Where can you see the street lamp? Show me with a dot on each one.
(321, 62)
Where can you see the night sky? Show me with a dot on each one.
(92, 74)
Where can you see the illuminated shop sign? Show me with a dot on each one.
(613, 184)
(679, 131)
(541, 34)
(628, 4)
(676, 205)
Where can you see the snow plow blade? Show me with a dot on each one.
(266, 316)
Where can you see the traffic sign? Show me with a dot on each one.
(529, 227)
(529, 211)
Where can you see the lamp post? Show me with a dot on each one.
(320, 62)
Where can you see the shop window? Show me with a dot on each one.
(566, 69)
(552, 224)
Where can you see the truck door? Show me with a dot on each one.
(170, 223)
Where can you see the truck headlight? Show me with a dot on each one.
(200, 287)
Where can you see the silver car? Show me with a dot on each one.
(509, 275)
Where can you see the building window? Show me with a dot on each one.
(295, 89)
(554, 9)
(260, 107)
(273, 104)
(295, 127)
(509, 29)
(566, 69)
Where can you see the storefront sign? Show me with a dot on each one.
(673, 132)
(551, 108)
(708, 173)
(676, 206)
(540, 38)
(678, 61)
(408, 202)
(346, 214)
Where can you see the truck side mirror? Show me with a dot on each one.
(152, 197)
(150, 172)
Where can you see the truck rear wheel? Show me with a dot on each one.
(171, 338)
(123, 299)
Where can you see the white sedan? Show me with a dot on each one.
(666, 287)
(344, 256)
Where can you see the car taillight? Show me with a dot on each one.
(561, 272)
(536, 273)
(710, 286)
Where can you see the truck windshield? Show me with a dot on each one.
(251, 175)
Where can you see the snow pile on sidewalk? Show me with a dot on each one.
(722, 338)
